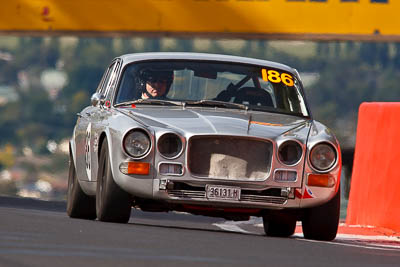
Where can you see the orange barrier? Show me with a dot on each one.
(375, 183)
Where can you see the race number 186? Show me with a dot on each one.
(274, 76)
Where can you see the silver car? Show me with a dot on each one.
(207, 134)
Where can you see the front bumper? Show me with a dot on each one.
(187, 192)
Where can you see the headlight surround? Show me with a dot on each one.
(290, 153)
(323, 156)
(170, 145)
(137, 143)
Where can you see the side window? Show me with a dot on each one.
(127, 87)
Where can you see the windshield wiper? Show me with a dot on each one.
(151, 102)
(215, 103)
(277, 110)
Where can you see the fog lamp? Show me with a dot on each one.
(171, 169)
(285, 176)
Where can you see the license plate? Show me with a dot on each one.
(219, 192)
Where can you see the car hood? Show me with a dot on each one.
(198, 121)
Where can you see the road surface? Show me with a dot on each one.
(39, 233)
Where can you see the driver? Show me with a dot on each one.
(156, 83)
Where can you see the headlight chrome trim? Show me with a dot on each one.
(179, 151)
(286, 143)
(148, 149)
(332, 165)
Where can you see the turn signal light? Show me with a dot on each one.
(321, 180)
(142, 168)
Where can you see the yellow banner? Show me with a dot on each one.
(301, 19)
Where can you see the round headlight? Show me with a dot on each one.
(137, 143)
(290, 152)
(323, 157)
(170, 145)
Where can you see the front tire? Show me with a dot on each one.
(321, 223)
(279, 224)
(79, 205)
(112, 203)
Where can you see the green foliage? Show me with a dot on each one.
(7, 157)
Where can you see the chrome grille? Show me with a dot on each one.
(263, 199)
(191, 194)
(229, 157)
(187, 194)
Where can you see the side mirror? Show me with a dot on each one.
(95, 99)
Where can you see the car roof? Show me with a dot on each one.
(129, 58)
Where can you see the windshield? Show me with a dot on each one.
(191, 82)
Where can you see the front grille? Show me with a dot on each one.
(263, 199)
(229, 157)
(187, 194)
(268, 196)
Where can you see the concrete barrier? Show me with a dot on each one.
(375, 183)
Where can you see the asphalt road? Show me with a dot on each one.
(39, 233)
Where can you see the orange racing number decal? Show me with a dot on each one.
(274, 76)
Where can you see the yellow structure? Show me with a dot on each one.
(290, 19)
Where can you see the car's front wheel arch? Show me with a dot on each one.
(102, 136)
(113, 204)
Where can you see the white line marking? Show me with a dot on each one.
(344, 239)
(351, 245)
(230, 227)
(347, 240)
(233, 226)
(370, 237)
(357, 225)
